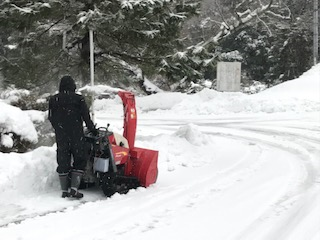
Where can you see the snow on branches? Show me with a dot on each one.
(245, 12)
(30, 8)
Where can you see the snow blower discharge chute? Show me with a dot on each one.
(114, 163)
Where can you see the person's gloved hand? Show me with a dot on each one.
(95, 132)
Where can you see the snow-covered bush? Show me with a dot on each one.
(197, 87)
(255, 87)
(11, 94)
(17, 132)
(25, 99)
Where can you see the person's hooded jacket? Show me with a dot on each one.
(68, 110)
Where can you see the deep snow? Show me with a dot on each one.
(231, 166)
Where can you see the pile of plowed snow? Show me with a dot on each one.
(298, 95)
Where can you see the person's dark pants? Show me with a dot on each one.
(70, 144)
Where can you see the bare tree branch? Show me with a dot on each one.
(266, 25)
(240, 4)
(220, 13)
(279, 16)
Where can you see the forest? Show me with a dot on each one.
(175, 44)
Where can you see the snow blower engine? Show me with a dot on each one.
(114, 163)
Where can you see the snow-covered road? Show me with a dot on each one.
(237, 177)
(290, 214)
(272, 192)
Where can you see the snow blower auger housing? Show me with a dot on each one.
(114, 162)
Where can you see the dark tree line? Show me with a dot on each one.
(178, 40)
(43, 39)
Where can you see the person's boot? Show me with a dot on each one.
(76, 176)
(64, 184)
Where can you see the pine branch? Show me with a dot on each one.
(244, 18)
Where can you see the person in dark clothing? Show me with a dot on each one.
(67, 112)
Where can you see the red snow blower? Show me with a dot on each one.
(114, 163)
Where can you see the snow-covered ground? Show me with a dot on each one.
(231, 166)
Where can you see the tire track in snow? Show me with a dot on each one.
(305, 144)
(299, 137)
(299, 144)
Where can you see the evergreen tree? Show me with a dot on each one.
(254, 48)
(290, 54)
(274, 51)
(44, 39)
(272, 38)
(41, 40)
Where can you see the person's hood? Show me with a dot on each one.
(67, 84)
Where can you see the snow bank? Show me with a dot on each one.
(162, 101)
(306, 87)
(108, 105)
(154, 102)
(28, 173)
(36, 116)
(299, 95)
(211, 102)
(100, 90)
(182, 148)
(13, 119)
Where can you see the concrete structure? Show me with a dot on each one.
(228, 76)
